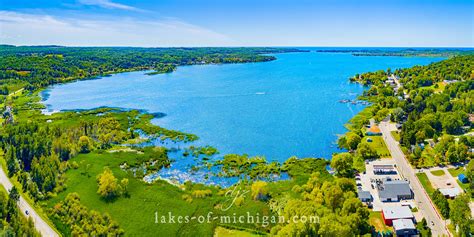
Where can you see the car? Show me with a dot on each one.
(27, 213)
(432, 223)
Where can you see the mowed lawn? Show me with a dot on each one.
(378, 144)
(425, 182)
(438, 172)
(457, 171)
(136, 214)
(396, 135)
(224, 232)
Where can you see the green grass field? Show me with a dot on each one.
(378, 144)
(224, 232)
(438, 172)
(455, 172)
(396, 135)
(136, 214)
(437, 87)
(425, 182)
(376, 220)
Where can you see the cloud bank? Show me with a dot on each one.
(108, 4)
(40, 29)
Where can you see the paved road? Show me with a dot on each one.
(40, 224)
(406, 171)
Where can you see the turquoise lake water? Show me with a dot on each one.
(277, 109)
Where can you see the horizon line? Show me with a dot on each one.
(234, 46)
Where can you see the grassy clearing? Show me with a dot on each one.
(378, 144)
(396, 135)
(376, 220)
(425, 182)
(457, 171)
(438, 87)
(438, 172)
(224, 232)
(362, 118)
(137, 212)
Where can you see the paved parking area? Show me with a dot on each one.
(443, 181)
(366, 184)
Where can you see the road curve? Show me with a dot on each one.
(406, 171)
(43, 228)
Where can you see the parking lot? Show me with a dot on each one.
(366, 181)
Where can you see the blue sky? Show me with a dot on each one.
(165, 23)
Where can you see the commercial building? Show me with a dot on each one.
(391, 213)
(450, 192)
(404, 227)
(394, 191)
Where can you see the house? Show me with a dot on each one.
(394, 191)
(364, 196)
(391, 213)
(462, 178)
(450, 192)
(404, 227)
(373, 131)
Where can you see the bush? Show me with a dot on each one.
(202, 193)
(259, 190)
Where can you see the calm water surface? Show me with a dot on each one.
(277, 109)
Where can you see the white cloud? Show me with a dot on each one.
(108, 4)
(33, 29)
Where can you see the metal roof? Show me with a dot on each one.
(393, 189)
(397, 212)
(451, 192)
(403, 224)
(364, 194)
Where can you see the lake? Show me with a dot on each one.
(277, 109)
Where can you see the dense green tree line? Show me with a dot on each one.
(426, 110)
(12, 221)
(45, 65)
(333, 201)
(83, 222)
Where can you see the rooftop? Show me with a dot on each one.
(364, 194)
(451, 192)
(403, 224)
(397, 212)
(374, 129)
(392, 189)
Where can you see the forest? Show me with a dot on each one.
(34, 67)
